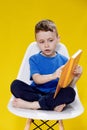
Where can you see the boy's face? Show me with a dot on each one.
(47, 42)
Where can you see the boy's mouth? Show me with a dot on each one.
(47, 50)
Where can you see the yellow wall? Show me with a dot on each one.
(17, 20)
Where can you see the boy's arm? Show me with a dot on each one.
(77, 73)
(41, 79)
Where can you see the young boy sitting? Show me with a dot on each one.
(45, 71)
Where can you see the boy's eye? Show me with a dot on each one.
(50, 40)
(41, 42)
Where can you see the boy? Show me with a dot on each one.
(45, 70)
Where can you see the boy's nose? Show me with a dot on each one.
(46, 44)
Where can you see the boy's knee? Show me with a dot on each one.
(71, 94)
(14, 87)
(66, 95)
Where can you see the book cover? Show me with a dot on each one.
(67, 71)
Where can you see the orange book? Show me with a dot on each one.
(67, 71)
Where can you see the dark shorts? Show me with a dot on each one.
(24, 91)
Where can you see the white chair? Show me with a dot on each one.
(71, 111)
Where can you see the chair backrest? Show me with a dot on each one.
(24, 71)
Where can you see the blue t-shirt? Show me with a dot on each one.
(45, 65)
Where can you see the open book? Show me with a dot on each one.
(67, 72)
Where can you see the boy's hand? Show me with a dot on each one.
(77, 71)
(57, 73)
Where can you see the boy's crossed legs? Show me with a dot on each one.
(27, 98)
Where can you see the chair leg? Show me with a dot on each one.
(28, 123)
(61, 126)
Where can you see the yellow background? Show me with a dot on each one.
(17, 21)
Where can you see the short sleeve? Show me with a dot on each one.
(33, 67)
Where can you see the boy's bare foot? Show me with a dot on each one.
(59, 108)
(19, 103)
